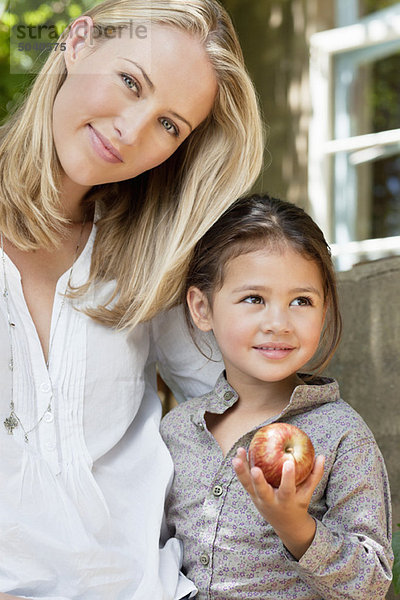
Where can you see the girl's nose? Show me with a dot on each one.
(275, 320)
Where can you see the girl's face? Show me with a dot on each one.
(128, 104)
(268, 316)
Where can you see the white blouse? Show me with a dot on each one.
(81, 504)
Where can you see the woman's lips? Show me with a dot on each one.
(103, 147)
(275, 351)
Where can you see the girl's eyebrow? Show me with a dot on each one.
(309, 289)
(152, 87)
(254, 288)
(261, 288)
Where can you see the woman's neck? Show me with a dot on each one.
(71, 199)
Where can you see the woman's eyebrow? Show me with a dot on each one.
(174, 114)
(146, 77)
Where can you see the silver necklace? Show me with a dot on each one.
(13, 421)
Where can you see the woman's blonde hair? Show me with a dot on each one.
(149, 225)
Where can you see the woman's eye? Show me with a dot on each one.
(253, 300)
(131, 83)
(169, 127)
(302, 301)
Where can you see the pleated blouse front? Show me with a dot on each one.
(81, 504)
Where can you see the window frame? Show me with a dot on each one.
(334, 152)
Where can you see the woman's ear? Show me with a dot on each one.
(80, 36)
(199, 308)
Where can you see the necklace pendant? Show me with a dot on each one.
(10, 423)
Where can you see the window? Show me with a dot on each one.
(354, 144)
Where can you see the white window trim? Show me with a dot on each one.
(372, 37)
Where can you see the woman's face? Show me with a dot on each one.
(128, 104)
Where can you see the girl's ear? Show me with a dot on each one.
(80, 36)
(199, 308)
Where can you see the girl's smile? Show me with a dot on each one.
(275, 351)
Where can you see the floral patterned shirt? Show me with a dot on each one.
(232, 553)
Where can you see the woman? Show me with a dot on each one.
(130, 145)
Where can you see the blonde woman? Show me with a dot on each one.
(133, 141)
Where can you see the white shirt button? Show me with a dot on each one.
(48, 417)
(228, 396)
(217, 490)
(204, 559)
(44, 387)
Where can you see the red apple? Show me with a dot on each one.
(273, 444)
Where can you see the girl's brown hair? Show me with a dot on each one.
(258, 221)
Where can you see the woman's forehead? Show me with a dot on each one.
(172, 64)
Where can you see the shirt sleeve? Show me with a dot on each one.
(186, 371)
(351, 556)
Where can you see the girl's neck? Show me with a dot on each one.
(258, 396)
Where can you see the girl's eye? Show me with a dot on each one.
(302, 301)
(169, 127)
(253, 300)
(131, 83)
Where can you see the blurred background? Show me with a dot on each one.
(327, 74)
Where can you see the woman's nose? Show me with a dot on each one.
(131, 126)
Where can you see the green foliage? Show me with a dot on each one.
(371, 6)
(23, 50)
(384, 98)
(74, 10)
(38, 16)
(396, 565)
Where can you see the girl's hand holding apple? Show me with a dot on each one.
(286, 507)
(276, 443)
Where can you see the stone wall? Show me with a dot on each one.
(367, 362)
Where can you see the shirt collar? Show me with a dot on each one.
(314, 392)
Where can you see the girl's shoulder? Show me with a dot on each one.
(336, 428)
(330, 421)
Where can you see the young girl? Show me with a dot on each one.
(262, 281)
(125, 152)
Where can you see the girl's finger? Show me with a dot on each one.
(288, 480)
(263, 490)
(242, 470)
(242, 454)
